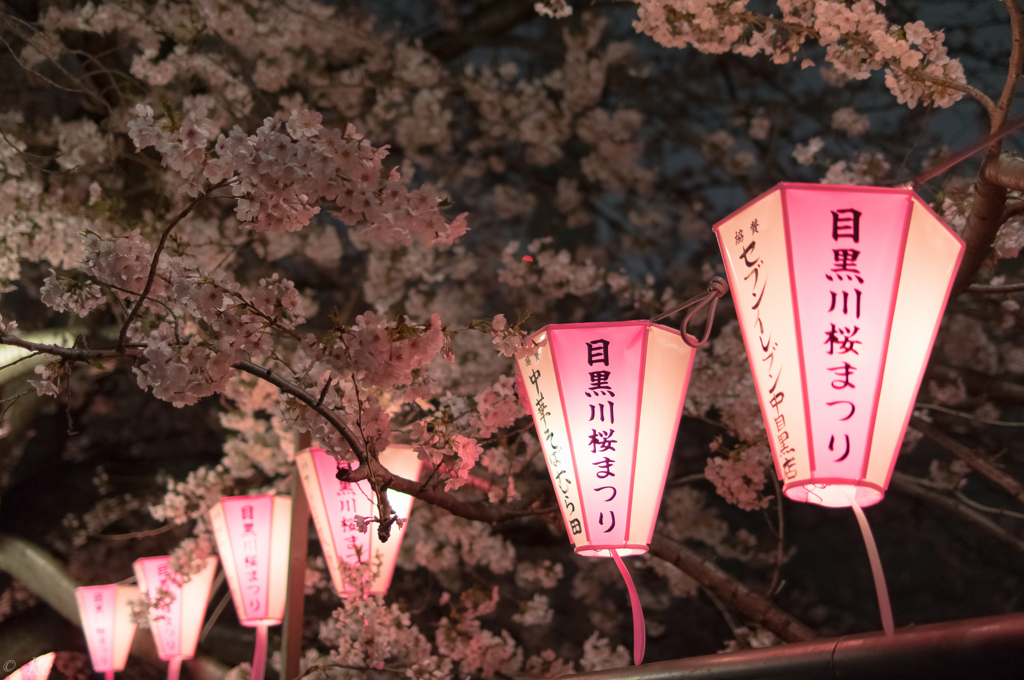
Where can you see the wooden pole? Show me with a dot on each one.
(291, 632)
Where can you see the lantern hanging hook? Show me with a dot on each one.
(717, 288)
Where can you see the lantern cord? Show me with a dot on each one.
(259, 659)
(1007, 129)
(639, 628)
(717, 288)
(174, 668)
(876, 570)
(109, 675)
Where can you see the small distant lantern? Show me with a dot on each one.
(176, 625)
(36, 669)
(109, 625)
(839, 292)
(334, 505)
(253, 538)
(607, 399)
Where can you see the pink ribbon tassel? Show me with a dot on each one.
(639, 629)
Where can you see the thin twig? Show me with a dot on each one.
(136, 534)
(969, 416)
(964, 453)
(1008, 288)
(123, 336)
(18, 361)
(912, 486)
(780, 552)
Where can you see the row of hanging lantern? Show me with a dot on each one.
(252, 534)
(839, 292)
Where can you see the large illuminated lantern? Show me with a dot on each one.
(334, 506)
(839, 292)
(253, 538)
(606, 399)
(176, 624)
(106, 614)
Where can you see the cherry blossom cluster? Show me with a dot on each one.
(857, 37)
(282, 171)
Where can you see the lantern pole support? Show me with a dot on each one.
(291, 631)
(639, 627)
(259, 658)
(717, 289)
(987, 648)
(174, 668)
(884, 606)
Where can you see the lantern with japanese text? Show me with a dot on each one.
(253, 538)
(109, 625)
(176, 622)
(607, 399)
(334, 506)
(36, 669)
(839, 292)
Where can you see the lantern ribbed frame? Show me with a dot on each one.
(334, 504)
(108, 624)
(649, 367)
(259, 597)
(870, 270)
(176, 627)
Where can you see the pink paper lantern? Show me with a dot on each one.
(839, 292)
(106, 613)
(606, 399)
(253, 535)
(36, 669)
(176, 626)
(334, 506)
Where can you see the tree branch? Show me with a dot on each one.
(910, 486)
(975, 93)
(979, 464)
(753, 607)
(137, 307)
(989, 194)
(1016, 62)
(1007, 171)
(1008, 288)
(305, 397)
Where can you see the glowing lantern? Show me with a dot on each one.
(839, 292)
(106, 613)
(36, 669)
(253, 534)
(606, 399)
(176, 625)
(334, 506)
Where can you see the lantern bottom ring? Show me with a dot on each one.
(256, 623)
(624, 550)
(833, 492)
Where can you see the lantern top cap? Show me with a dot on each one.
(592, 324)
(905, 190)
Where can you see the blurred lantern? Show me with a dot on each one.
(839, 292)
(36, 669)
(109, 625)
(253, 534)
(334, 506)
(606, 399)
(177, 623)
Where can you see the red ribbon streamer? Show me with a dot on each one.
(639, 629)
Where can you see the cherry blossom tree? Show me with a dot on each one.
(254, 222)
